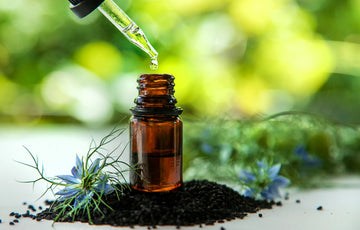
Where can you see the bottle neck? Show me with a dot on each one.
(156, 95)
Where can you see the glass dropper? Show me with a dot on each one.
(121, 21)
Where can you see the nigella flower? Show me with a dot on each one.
(84, 183)
(264, 181)
(309, 161)
(206, 148)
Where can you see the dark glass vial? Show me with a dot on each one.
(156, 136)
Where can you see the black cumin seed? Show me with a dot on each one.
(319, 208)
(222, 228)
(260, 215)
(32, 208)
(286, 196)
(278, 203)
(11, 223)
(16, 221)
(193, 204)
(298, 201)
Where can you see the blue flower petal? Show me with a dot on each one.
(313, 162)
(274, 190)
(206, 148)
(300, 151)
(78, 162)
(79, 166)
(94, 167)
(270, 193)
(102, 178)
(69, 179)
(75, 172)
(266, 195)
(273, 171)
(68, 192)
(78, 200)
(108, 189)
(104, 188)
(76, 203)
(83, 199)
(262, 164)
(249, 193)
(247, 176)
(280, 181)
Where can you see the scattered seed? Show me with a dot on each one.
(319, 208)
(222, 228)
(278, 203)
(40, 207)
(11, 223)
(260, 215)
(287, 196)
(12, 214)
(0, 221)
(16, 221)
(298, 201)
(32, 208)
(24, 203)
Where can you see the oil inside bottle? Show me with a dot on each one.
(156, 173)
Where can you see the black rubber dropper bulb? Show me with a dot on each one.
(84, 7)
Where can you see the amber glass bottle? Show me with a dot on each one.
(156, 136)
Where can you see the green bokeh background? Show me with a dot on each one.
(230, 57)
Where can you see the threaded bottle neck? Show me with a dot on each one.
(156, 85)
(156, 95)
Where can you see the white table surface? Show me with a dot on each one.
(57, 146)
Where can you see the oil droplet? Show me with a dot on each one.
(154, 63)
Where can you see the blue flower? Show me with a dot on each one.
(206, 148)
(84, 183)
(309, 161)
(265, 181)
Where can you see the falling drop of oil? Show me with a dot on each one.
(154, 63)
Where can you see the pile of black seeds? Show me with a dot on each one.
(196, 203)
